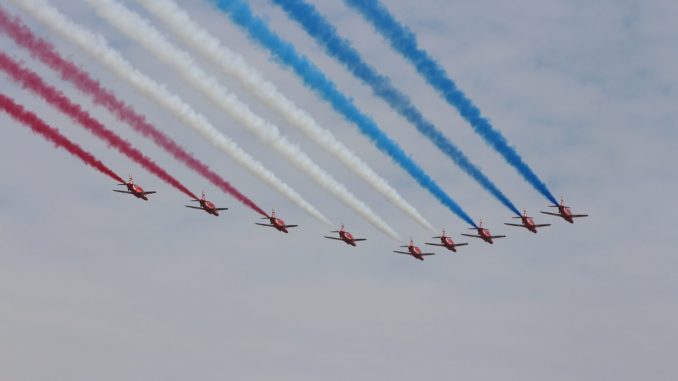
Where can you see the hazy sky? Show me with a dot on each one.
(98, 286)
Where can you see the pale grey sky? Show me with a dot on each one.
(97, 286)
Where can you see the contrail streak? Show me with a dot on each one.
(341, 49)
(96, 46)
(32, 121)
(140, 30)
(46, 53)
(32, 82)
(241, 14)
(231, 63)
(405, 42)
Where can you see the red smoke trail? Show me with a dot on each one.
(46, 53)
(34, 83)
(36, 124)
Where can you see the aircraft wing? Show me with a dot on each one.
(360, 239)
(194, 207)
(460, 244)
(402, 252)
(338, 239)
(120, 191)
(435, 244)
(471, 235)
(552, 214)
(427, 254)
(541, 225)
(291, 226)
(579, 215)
(220, 208)
(519, 225)
(151, 192)
(256, 223)
(498, 236)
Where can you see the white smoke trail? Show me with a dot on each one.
(231, 63)
(97, 47)
(139, 29)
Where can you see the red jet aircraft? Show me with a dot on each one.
(207, 206)
(447, 242)
(413, 251)
(134, 190)
(346, 237)
(565, 212)
(484, 234)
(528, 223)
(276, 223)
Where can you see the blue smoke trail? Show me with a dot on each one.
(241, 14)
(341, 49)
(405, 42)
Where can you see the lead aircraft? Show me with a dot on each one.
(565, 212)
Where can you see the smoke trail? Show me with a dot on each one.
(231, 63)
(45, 52)
(405, 42)
(31, 81)
(241, 14)
(97, 47)
(53, 135)
(137, 28)
(341, 49)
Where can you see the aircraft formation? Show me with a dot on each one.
(199, 41)
(345, 236)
